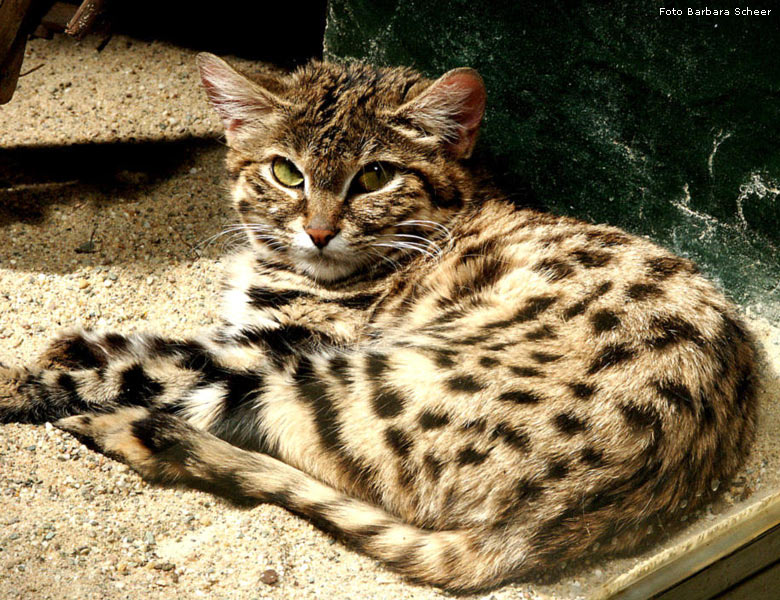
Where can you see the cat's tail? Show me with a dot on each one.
(166, 449)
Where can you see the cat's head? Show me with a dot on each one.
(340, 167)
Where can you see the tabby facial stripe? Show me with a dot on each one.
(244, 207)
(445, 200)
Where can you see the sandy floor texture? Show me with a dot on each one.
(127, 248)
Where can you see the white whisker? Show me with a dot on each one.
(406, 246)
(425, 223)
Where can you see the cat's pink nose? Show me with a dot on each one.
(321, 237)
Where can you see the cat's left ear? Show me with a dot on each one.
(451, 108)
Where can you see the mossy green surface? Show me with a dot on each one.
(668, 126)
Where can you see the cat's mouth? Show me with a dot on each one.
(324, 266)
(335, 260)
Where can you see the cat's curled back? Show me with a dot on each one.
(467, 391)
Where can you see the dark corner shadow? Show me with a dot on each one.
(31, 176)
(284, 33)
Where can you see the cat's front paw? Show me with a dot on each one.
(150, 442)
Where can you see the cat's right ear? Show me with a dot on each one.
(238, 101)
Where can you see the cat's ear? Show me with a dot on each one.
(238, 100)
(452, 108)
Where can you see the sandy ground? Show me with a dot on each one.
(129, 251)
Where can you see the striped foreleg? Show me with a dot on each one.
(166, 449)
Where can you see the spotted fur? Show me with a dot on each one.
(468, 391)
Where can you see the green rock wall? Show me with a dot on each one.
(668, 126)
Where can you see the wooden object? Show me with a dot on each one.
(13, 39)
(744, 545)
(84, 19)
(58, 17)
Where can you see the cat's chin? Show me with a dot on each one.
(323, 268)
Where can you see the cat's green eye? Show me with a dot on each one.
(286, 172)
(373, 177)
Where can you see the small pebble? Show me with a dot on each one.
(269, 577)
